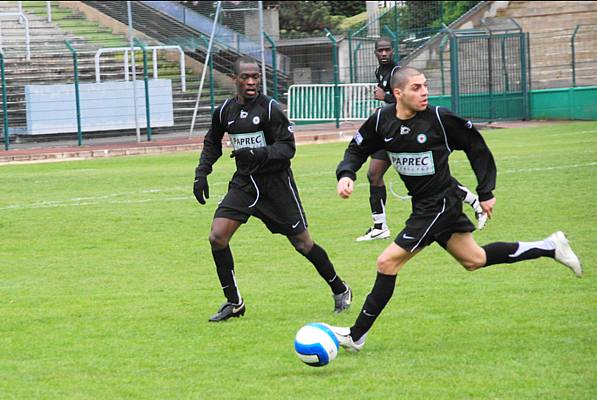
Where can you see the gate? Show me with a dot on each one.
(489, 73)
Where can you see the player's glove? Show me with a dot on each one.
(201, 188)
(248, 159)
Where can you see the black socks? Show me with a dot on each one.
(376, 301)
(377, 201)
(225, 268)
(506, 253)
(320, 260)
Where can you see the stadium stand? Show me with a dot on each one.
(51, 63)
(550, 25)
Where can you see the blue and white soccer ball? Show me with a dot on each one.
(315, 344)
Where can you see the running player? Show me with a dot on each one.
(380, 161)
(421, 159)
(262, 186)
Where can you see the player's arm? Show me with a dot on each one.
(365, 142)
(283, 147)
(212, 150)
(462, 135)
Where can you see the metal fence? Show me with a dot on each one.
(80, 44)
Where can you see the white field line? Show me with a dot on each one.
(113, 198)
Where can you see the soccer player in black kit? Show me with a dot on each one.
(380, 161)
(262, 186)
(421, 159)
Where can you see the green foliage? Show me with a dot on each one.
(347, 8)
(454, 9)
(107, 282)
(305, 18)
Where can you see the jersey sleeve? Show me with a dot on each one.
(282, 131)
(462, 135)
(212, 144)
(365, 142)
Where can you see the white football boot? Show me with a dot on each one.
(374, 233)
(564, 254)
(343, 335)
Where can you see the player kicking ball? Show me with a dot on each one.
(421, 160)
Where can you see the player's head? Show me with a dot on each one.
(409, 86)
(246, 78)
(383, 50)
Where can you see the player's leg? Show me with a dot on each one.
(378, 166)
(389, 264)
(462, 247)
(221, 232)
(304, 244)
(232, 211)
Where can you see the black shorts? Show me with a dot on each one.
(434, 220)
(273, 198)
(381, 155)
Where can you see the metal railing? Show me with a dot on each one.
(154, 50)
(22, 17)
(316, 102)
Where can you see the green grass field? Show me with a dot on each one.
(107, 282)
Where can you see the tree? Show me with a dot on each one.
(347, 8)
(305, 18)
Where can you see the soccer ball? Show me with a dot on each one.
(315, 344)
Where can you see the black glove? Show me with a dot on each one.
(201, 188)
(249, 159)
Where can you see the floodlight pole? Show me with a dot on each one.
(130, 15)
(205, 65)
(262, 29)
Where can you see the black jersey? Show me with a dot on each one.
(418, 149)
(259, 123)
(383, 74)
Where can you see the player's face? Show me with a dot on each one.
(415, 94)
(384, 52)
(247, 81)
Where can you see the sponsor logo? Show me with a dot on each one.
(252, 140)
(368, 314)
(388, 139)
(230, 123)
(358, 137)
(243, 114)
(256, 120)
(237, 309)
(404, 130)
(295, 225)
(421, 138)
(407, 237)
(413, 164)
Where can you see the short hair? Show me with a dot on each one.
(243, 60)
(401, 76)
(382, 39)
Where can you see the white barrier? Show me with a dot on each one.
(316, 102)
(104, 106)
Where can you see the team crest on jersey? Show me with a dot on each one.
(469, 124)
(358, 137)
(404, 130)
(243, 114)
(290, 128)
(385, 83)
(421, 138)
(256, 120)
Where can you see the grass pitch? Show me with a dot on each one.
(107, 282)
